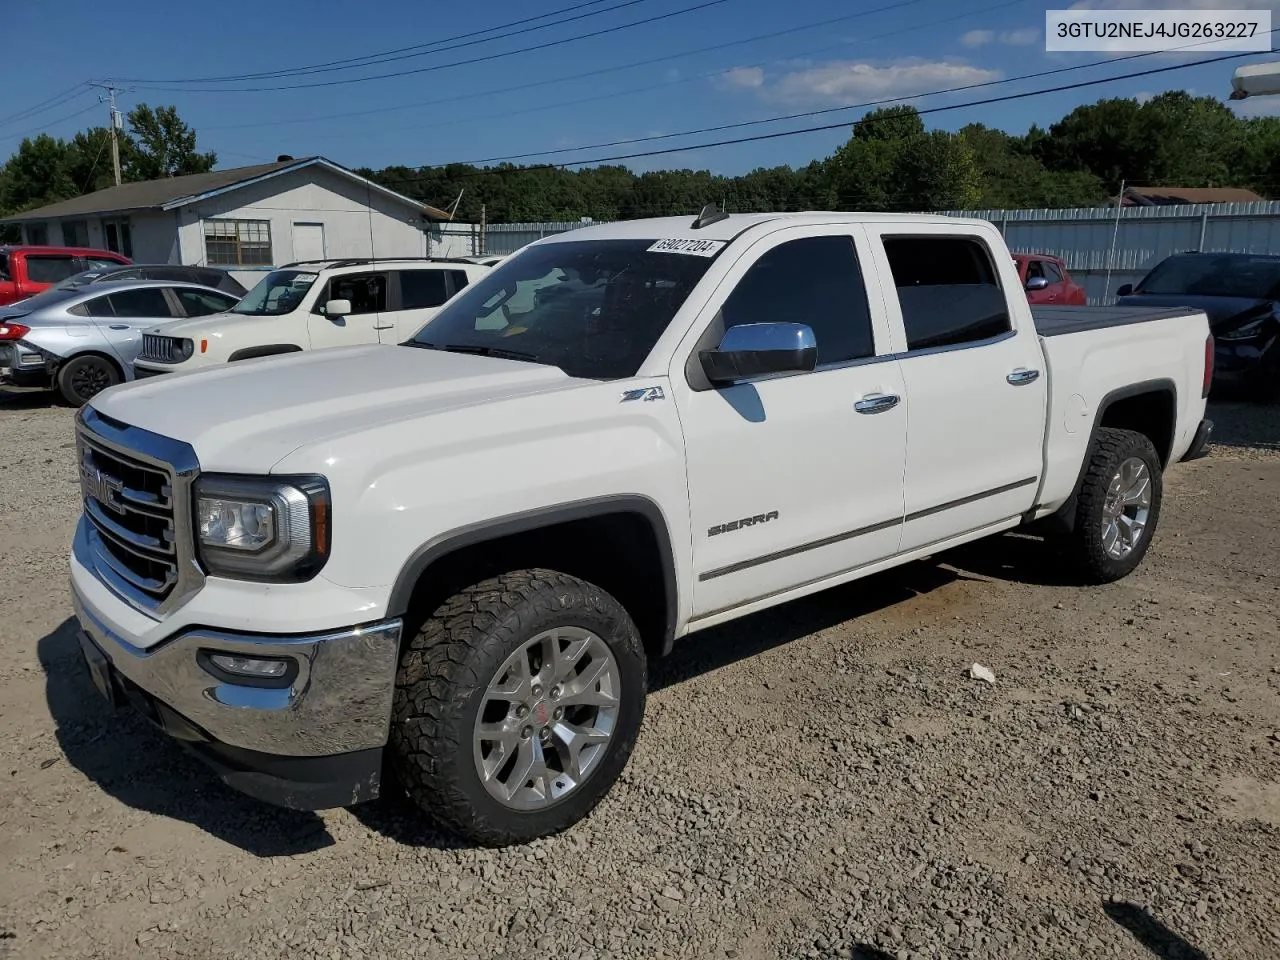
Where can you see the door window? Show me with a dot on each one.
(1052, 272)
(815, 281)
(459, 278)
(149, 302)
(47, 269)
(1035, 269)
(422, 288)
(201, 303)
(366, 291)
(948, 291)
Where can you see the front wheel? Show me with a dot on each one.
(517, 706)
(1119, 504)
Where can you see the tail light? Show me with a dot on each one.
(1208, 366)
(13, 331)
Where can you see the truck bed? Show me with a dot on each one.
(1055, 321)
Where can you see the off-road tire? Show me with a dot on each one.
(74, 378)
(1112, 447)
(444, 671)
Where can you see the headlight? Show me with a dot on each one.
(1246, 332)
(183, 349)
(260, 528)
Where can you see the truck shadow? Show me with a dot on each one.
(143, 769)
(1158, 939)
(21, 398)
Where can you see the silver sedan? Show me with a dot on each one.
(84, 339)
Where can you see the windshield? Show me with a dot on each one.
(593, 308)
(278, 293)
(78, 279)
(1257, 278)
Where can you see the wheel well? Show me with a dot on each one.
(1151, 413)
(619, 552)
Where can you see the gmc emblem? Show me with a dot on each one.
(101, 486)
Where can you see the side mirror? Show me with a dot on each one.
(1124, 290)
(755, 349)
(337, 308)
(1037, 283)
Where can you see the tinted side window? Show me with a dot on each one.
(422, 288)
(140, 303)
(201, 303)
(1035, 268)
(1052, 272)
(460, 279)
(45, 269)
(815, 281)
(366, 291)
(948, 291)
(97, 307)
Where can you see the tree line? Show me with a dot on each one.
(890, 162)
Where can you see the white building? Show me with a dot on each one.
(248, 219)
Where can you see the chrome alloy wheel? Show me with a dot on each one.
(546, 719)
(1126, 508)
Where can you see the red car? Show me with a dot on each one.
(25, 271)
(1046, 280)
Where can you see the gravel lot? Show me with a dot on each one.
(823, 780)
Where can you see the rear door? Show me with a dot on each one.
(975, 385)
(127, 313)
(368, 295)
(415, 296)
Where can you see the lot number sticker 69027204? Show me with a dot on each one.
(692, 248)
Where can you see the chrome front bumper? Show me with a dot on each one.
(339, 702)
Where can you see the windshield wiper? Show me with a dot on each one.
(481, 351)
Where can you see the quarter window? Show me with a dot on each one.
(236, 243)
(947, 289)
(422, 288)
(815, 281)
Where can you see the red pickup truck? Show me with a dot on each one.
(1046, 281)
(25, 271)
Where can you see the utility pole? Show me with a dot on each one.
(113, 126)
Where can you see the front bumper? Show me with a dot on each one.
(141, 373)
(315, 743)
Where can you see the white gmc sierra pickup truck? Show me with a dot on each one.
(451, 559)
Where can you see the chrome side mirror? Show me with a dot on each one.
(757, 349)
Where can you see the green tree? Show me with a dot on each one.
(162, 146)
(37, 175)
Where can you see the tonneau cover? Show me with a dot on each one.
(1055, 321)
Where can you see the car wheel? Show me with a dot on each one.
(82, 378)
(1118, 505)
(517, 706)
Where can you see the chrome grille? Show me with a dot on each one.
(136, 513)
(159, 349)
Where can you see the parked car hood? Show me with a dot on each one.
(246, 416)
(1224, 312)
(212, 325)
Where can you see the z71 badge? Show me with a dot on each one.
(643, 393)
(733, 525)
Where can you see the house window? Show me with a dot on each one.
(38, 234)
(118, 236)
(75, 233)
(237, 243)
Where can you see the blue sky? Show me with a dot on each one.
(531, 102)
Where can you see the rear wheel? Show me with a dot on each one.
(517, 706)
(1119, 504)
(82, 378)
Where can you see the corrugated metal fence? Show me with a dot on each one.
(1102, 250)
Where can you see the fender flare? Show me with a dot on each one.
(444, 544)
(268, 350)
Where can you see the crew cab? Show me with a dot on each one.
(26, 271)
(310, 306)
(454, 558)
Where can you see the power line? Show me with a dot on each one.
(52, 123)
(1005, 98)
(665, 58)
(414, 50)
(453, 63)
(53, 102)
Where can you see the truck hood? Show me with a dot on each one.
(1225, 313)
(247, 416)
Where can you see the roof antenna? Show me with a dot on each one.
(708, 216)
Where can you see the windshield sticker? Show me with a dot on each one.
(692, 248)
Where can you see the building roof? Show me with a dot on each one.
(172, 192)
(1165, 196)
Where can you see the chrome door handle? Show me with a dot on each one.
(1019, 377)
(877, 403)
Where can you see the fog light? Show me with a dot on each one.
(254, 671)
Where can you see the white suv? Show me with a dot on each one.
(311, 305)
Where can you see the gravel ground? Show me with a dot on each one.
(823, 780)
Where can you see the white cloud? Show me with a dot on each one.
(1013, 38)
(846, 81)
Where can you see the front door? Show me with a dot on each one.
(975, 386)
(367, 293)
(795, 478)
(308, 242)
